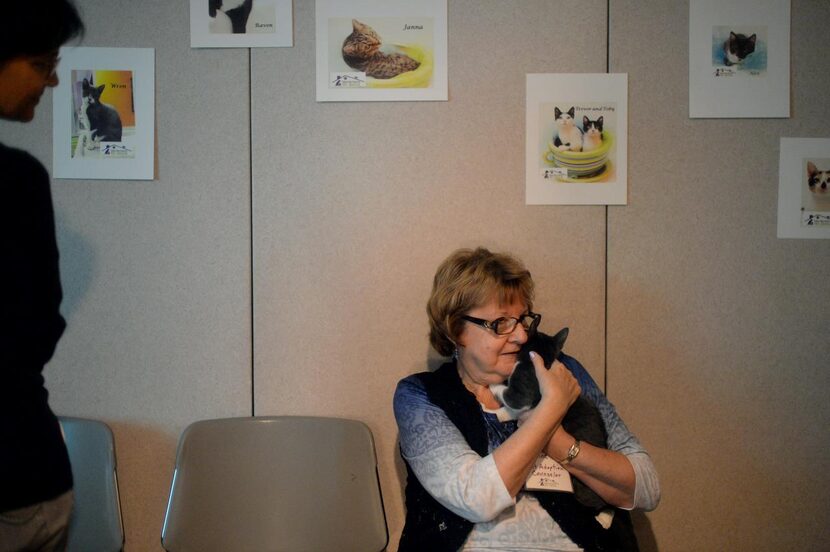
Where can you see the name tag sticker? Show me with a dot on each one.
(548, 475)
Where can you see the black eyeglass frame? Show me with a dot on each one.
(493, 325)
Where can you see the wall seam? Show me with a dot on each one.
(251, 218)
(605, 261)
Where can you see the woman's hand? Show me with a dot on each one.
(557, 385)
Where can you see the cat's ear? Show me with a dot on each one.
(732, 36)
(357, 25)
(571, 112)
(752, 40)
(557, 112)
(599, 122)
(101, 88)
(559, 340)
(811, 169)
(585, 122)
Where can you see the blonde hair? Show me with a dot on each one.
(467, 279)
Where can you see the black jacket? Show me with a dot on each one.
(34, 464)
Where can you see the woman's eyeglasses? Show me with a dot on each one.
(506, 325)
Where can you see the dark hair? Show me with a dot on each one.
(34, 27)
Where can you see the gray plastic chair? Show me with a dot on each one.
(290, 483)
(96, 518)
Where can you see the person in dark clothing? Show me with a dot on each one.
(35, 476)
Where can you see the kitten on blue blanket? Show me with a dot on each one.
(583, 420)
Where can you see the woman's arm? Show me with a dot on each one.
(623, 475)
(607, 472)
(453, 473)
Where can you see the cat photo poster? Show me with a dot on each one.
(804, 188)
(739, 58)
(381, 50)
(576, 144)
(241, 23)
(103, 113)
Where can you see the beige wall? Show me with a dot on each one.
(717, 353)
(333, 217)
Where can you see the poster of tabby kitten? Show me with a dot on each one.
(804, 188)
(381, 50)
(739, 56)
(103, 114)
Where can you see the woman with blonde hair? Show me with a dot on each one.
(466, 469)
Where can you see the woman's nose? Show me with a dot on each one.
(519, 334)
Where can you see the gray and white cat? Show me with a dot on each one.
(361, 51)
(104, 121)
(567, 135)
(98, 122)
(737, 47)
(583, 419)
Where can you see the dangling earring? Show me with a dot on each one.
(455, 354)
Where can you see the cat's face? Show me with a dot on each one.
(564, 118)
(739, 46)
(92, 94)
(592, 128)
(363, 42)
(817, 180)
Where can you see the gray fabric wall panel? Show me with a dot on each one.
(156, 274)
(717, 352)
(355, 204)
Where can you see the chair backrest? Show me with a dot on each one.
(96, 518)
(291, 483)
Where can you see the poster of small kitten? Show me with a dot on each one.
(804, 188)
(739, 51)
(240, 23)
(739, 58)
(104, 114)
(815, 196)
(381, 51)
(576, 139)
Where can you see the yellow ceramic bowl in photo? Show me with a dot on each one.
(582, 166)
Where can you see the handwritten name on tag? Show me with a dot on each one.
(548, 475)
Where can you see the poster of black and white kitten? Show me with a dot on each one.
(229, 16)
(737, 47)
(98, 122)
(521, 393)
